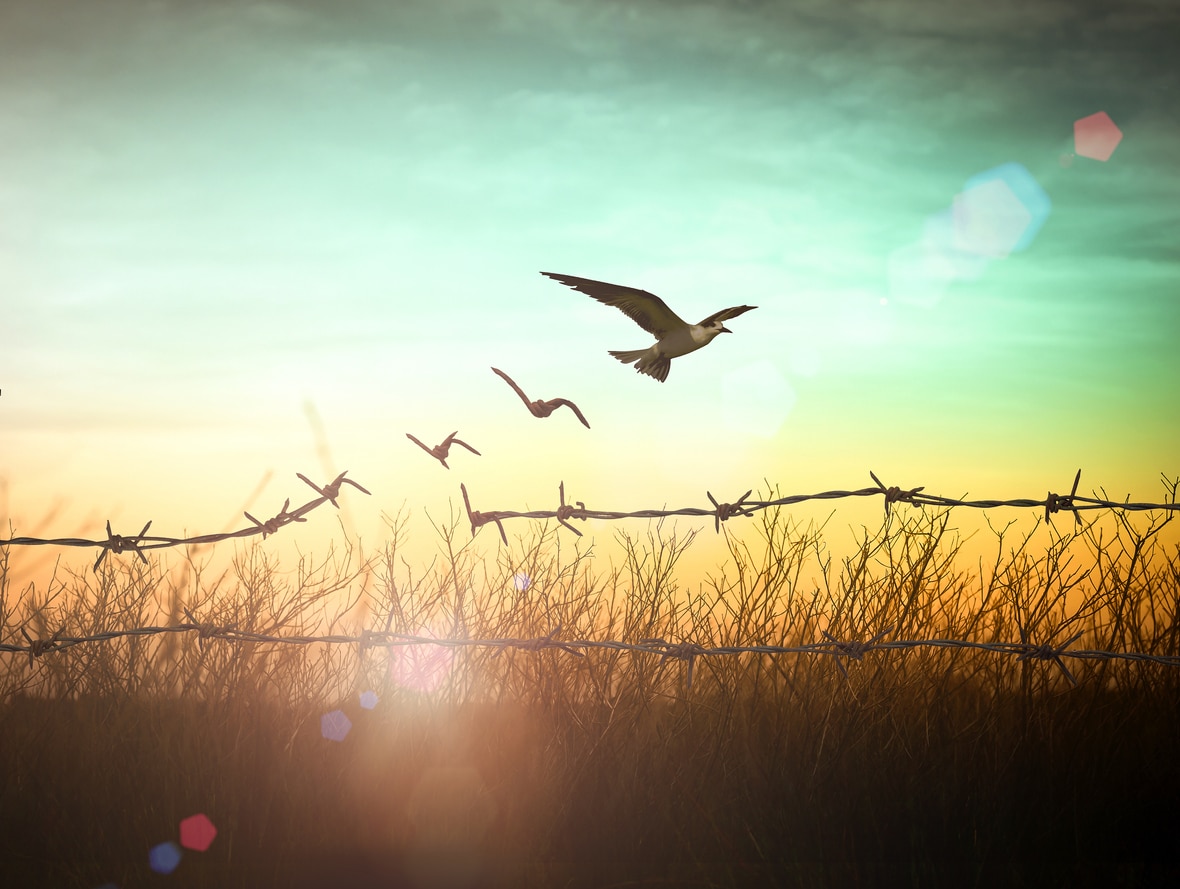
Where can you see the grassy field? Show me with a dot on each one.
(486, 766)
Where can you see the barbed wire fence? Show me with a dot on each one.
(138, 543)
(687, 652)
(1053, 503)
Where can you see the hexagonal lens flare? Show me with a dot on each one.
(999, 211)
(197, 832)
(335, 726)
(1096, 136)
(164, 858)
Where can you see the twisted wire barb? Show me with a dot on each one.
(855, 649)
(482, 518)
(117, 543)
(723, 511)
(331, 490)
(1048, 652)
(682, 651)
(540, 408)
(440, 451)
(894, 494)
(273, 524)
(1054, 503)
(565, 511)
(37, 647)
(206, 629)
(538, 643)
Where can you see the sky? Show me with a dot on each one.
(244, 240)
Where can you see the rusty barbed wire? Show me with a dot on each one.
(721, 512)
(541, 408)
(686, 651)
(440, 451)
(137, 543)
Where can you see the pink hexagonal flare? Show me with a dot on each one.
(197, 832)
(1096, 136)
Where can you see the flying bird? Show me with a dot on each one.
(542, 408)
(674, 336)
(439, 452)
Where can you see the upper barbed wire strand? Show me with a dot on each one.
(722, 512)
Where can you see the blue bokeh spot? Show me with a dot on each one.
(335, 726)
(164, 858)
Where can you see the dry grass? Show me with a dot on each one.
(928, 766)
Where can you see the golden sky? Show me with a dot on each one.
(240, 241)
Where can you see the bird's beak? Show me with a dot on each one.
(726, 330)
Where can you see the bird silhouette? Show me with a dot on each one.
(542, 408)
(674, 336)
(439, 452)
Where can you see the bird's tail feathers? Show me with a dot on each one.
(654, 365)
(628, 357)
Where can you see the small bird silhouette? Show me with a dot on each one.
(674, 336)
(439, 452)
(542, 408)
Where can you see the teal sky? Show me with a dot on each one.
(213, 214)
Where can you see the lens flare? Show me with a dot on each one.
(421, 666)
(1096, 136)
(164, 858)
(335, 726)
(197, 832)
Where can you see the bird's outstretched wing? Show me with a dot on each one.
(725, 314)
(645, 309)
(507, 379)
(452, 440)
(557, 402)
(430, 451)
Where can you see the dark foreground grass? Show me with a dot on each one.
(922, 767)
